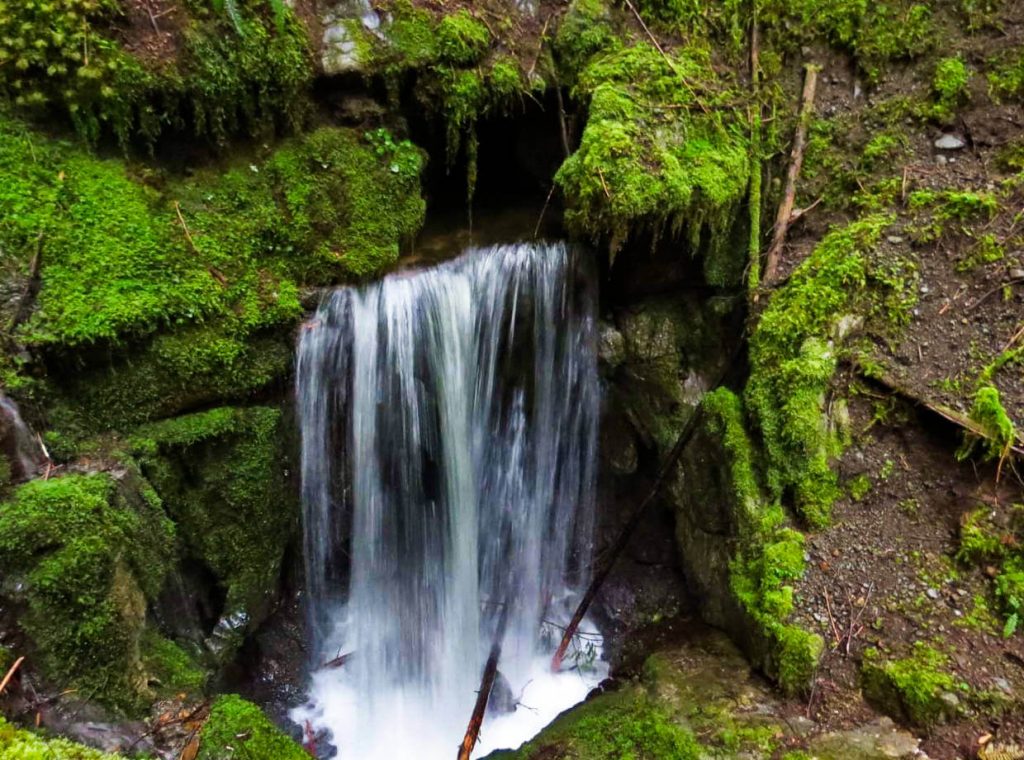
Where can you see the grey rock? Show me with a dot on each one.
(611, 347)
(950, 142)
(1017, 273)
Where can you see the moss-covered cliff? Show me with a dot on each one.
(177, 177)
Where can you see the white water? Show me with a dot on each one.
(449, 428)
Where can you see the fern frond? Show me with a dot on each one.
(231, 7)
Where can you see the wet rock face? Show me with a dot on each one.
(20, 455)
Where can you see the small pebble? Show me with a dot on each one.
(950, 142)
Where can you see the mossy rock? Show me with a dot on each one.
(918, 689)
(82, 554)
(239, 729)
(221, 477)
(627, 723)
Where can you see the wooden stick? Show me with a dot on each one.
(10, 674)
(476, 720)
(338, 661)
(214, 272)
(796, 160)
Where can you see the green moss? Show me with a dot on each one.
(994, 538)
(461, 39)
(911, 688)
(859, 487)
(193, 288)
(90, 553)
(938, 212)
(239, 729)
(987, 250)
(1006, 79)
(625, 724)
(769, 556)
(949, 86)
(18, 744)
(585, 31)
(655, 153)
(998, 429)
(792, 367)
(244, 73)
(170, 669)
(219, 474)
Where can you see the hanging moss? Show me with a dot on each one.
(1000, 433)
(239, 729)
(461, 39)
(656, 150)
(90, 552)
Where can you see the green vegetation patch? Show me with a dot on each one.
(949, 86)
(793, 360)
(220, 474)
(1006, 79)
(239, 729)
(248, 71)
(995, 538)
(210, 264)
(769, 556)
(18, 744)
(90, 550)
(625, 724)
(911, 688)
(657, 150)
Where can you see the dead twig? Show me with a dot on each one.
(544, 208)
(10, 673)
(784, 217)
(476, 720)
(214, 272)
(832, 619)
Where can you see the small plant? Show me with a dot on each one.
(949, 87)
(986, 250)
(859, 487)
(998, 430)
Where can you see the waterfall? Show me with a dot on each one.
(449, 433)
(17, 443)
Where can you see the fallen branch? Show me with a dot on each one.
(796, 160)
(476, 720)
(10, 674)
(959, 419)
(338, 661)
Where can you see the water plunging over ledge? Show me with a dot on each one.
(449, 432)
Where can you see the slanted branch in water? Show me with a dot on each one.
(623, 539)
(476, 720)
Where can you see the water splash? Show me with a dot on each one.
(449, 433)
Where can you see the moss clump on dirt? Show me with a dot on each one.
(461, 39)
(19, 744)
(627, 723)
(769, 557)
(949, 87)
(249, 72)
(1006, 79)
(239, 729)
(999, 431)
(792, 365)
(911, 688)
(994, 538)
(220, 475)
(656, 154)
(90, 551)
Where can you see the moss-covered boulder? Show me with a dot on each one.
(236, 728)
(222, 476)
(82, 555)
(917, 689)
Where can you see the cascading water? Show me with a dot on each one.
(449, 433)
